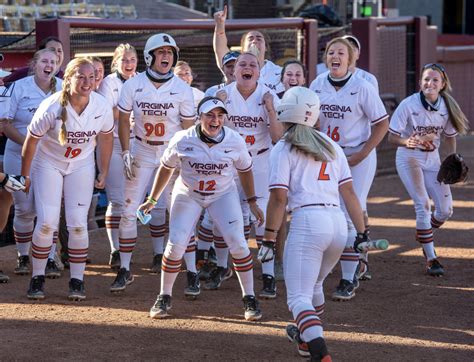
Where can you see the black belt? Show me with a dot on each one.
(151, 143)
(259, 152)
(204, 193)
(308, 205)
(420, 149)
(360, 144)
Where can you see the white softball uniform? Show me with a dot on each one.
(68, 170)
(206, 181)
(418, 168)
(317, 233)
(346, 116)
(212, 91)
(270, 75)
(249, 118)
(24, 101)
(111, 88)
(158, 113)
(369, 77)
(198, 96)
(5, 99)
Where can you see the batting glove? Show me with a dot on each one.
(13, 183)
(129, 165)
(361, 238)
(267, 251)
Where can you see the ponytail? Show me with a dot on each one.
(456, 115)
(52, 85)
(310, 142)
(63, 101)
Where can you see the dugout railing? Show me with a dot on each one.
(288, 38)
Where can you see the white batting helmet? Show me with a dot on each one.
(157, 41)
(299, 105)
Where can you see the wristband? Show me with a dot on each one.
(151, 200)
(271, 230)
(252, 199)
(5, 180)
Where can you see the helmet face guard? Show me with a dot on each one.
(159, 41)
(299, 105)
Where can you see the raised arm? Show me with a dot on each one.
(219, 41)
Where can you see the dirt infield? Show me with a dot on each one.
(402, 314)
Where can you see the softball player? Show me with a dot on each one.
(209, 154)
(251, 113)
(293, 74)
(353, 115)
(123, 67)
(228, 63)
(310, 172)
(162, 104)
(416, 128)
(270, 73)
(184, 72)
(27, 95)
(68, 124)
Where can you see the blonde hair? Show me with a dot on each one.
(119, 52)
(456, 115)
(71, 69)
(34, 60)
(343, 41)
(252, 51)
(310, 142)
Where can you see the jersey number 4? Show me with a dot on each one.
(323, 176)
(154, 130)
(207, 185)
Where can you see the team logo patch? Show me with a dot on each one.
(166, 39)
(310, 105)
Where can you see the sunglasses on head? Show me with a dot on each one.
(435, 66)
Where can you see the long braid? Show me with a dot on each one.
(63, 101)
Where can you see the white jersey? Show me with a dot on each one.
(198, 96)
(204, 169)
(347, 115)
(411, 117)
(270, 75)
(307, 181)
(110, 88)
(5, 99)
(249, 116)
(369, 77)
(157, 111)
(82, 130)
(26, 98)
(212, 91)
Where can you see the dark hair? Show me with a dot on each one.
(265, 37)
(43, 42)
(293, 61)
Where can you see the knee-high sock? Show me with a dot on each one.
(190, 255)
(243, 265)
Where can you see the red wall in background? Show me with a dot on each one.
(15, 60)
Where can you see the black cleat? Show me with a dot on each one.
(23, 265)
(434, 268)
(52, 271)
(124, 277)
(252, 311)
(76, 290)
(156, 264)
(218, 275)
(36, 290)
(269, 287)
(161, 307)
(344, 291)
(114, 260)
(194, 287)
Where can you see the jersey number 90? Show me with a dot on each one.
(157, 130)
